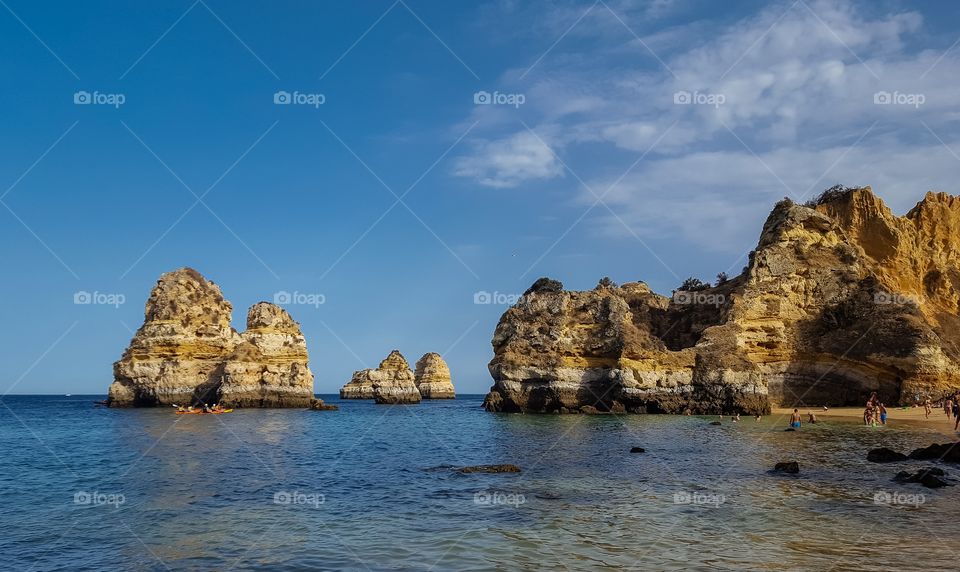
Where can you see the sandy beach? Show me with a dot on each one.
(913, 414)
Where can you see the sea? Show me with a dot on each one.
(373, 487)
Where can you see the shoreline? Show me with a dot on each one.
(914, 414)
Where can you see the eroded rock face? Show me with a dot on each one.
(186, 352)
(391, 382)
(837, 301)
(432, 377)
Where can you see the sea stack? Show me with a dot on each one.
(186, 352)
(432, 377)
(391, 382)
(841, 298)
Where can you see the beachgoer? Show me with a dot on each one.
(736, 417)
(948, 407)
(811, 418)
(757, 418)
(883, 414)
(926, 408)
(795, 419)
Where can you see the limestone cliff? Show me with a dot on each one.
(391, 382)
(432, 377)
(186, 352)
(839, 299)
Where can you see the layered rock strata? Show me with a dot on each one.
(391, 382)
(186, 352)
(841, 298)
(432, 377)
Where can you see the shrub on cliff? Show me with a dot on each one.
(834, 193)
(693, 285)
(545, 285)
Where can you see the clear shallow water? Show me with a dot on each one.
(369, 490)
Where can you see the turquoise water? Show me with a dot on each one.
(369, 488)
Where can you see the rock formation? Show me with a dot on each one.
(391, 382)
(432, 377)
(186, 352)
(840, 298)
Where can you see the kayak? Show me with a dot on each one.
(204, 412)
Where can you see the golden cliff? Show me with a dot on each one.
(186, 352)
(840, 298)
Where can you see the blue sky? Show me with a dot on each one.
(639, 140)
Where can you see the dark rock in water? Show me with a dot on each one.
(949, 452)
(548, 496)
(789, 429)
(506, 468)
(589, 409)
(637, 450)
(319, 405)
(884, 455)
(715, 423)
(789, 467)
(928, 477)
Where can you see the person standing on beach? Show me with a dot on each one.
(948, 407)
(795, 419)
(926, 408)
(883, 414)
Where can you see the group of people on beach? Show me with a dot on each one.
(875, 414)
(951, 408)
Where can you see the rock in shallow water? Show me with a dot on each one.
(507, 468)
(928, 477)
(432, 377)
(884, 455)
(948, 452)
(187, 353)
(788, 467)
(637, 450)
(392, 382)
(319, 405)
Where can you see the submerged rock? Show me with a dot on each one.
(507, 468)
(432, 377)
(884, 455)
(839, 299)
(392, 382)
(186, 352)
(928, 477)
(637, 450)
(789, 467)
(949, 452)
(319, 405)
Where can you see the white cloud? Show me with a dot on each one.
(510, 161)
